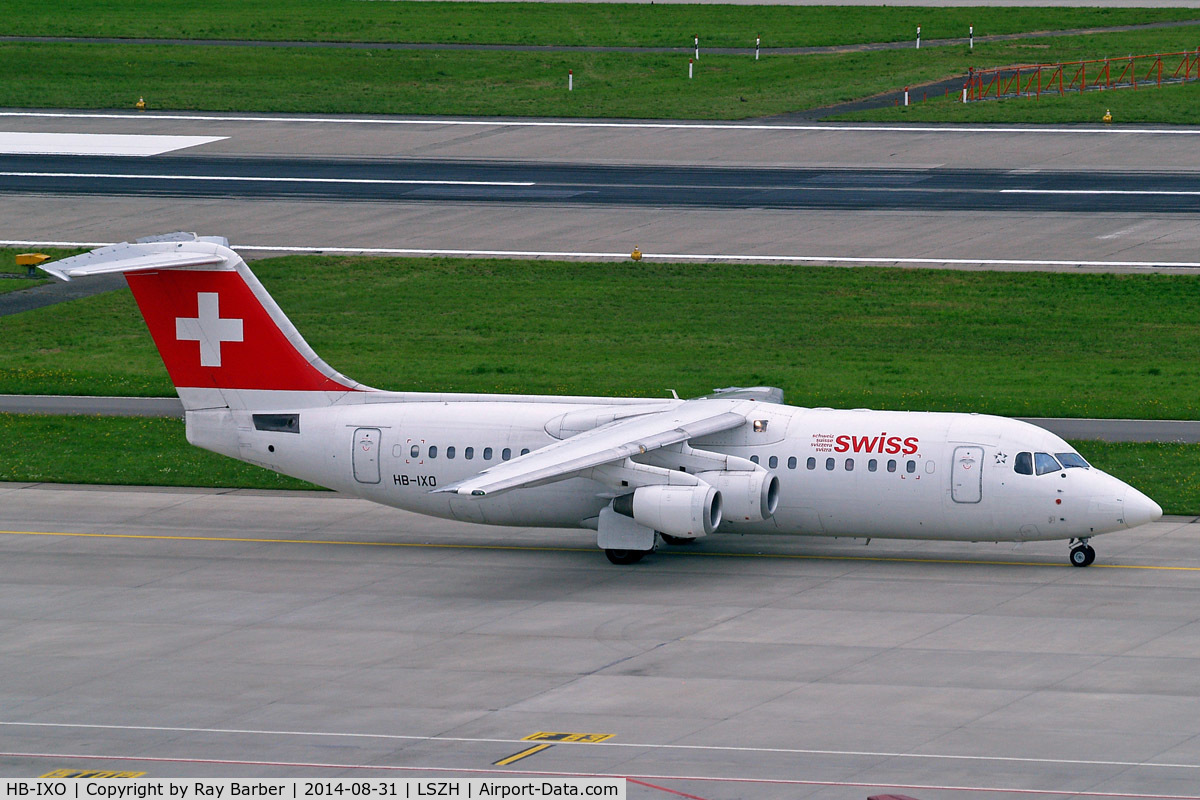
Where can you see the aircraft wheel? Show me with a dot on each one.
(676, 540)
(624, 557)
(1082, 555)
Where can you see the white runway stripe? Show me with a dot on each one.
(96, 144)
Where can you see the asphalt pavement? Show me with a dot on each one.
(487, 181)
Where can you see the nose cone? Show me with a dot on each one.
(1139, 509)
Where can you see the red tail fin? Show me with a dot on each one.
(213, 322)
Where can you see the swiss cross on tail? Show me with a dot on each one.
(209, 329)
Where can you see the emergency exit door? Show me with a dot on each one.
(366, 455)
(966, 477)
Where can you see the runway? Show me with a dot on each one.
(207, 633)
(436, 181)
(674, 189)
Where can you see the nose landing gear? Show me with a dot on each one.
(1082, 554)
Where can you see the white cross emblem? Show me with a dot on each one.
(208, 329)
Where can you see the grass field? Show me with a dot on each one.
(154, 452)
(572, 24)
(522, 83)
(1018, 344)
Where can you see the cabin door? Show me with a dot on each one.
(366, 455)
(966, 478)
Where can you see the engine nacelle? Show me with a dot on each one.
(684, 511)
(745, 496)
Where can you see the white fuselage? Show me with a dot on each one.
(857, 473)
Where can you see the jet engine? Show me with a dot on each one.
(684, 511)
(745, 496)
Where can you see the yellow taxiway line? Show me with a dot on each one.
(547, 549)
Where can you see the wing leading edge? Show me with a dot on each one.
(606, 444)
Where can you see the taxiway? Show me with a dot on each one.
(209, 633)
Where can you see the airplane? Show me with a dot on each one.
(637, 471)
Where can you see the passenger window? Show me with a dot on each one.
(849, 464)
(469, 453)
(415, 452)
(506, 454)
(524, 451)
(1023, 465)
(1044, 463)
(433, 451)
(829, 463)
(891, 465)
(872, 465)
(487, 454)
(910, 467)
(450, 451)
(754, 458)
(929, 467)
(791, 462)
(1070, 460)
(811, 463)
(773, 462)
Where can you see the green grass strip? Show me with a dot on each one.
(513, 83)
(572, 24)
(1017, 344)
(133, 451)
(153, 452)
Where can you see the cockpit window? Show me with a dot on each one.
(1069, 460)
(1044, 463)
(1023, 465)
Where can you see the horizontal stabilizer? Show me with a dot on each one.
(140, 256)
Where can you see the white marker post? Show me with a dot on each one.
(906, 95)
(570, 80)
(690, 63)
(757, 42)
(918, 37)
(697, 47)
(971, 34)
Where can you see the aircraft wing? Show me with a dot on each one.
(615, 441)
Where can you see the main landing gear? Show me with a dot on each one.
(624, 557)
(1082, 554)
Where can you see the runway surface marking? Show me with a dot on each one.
(700, 748)
(629, 125)
(97, 144)
(751, 259)
(549, 549)
(526, 753)
(639, 777)
(180, 177)
(1086, 191)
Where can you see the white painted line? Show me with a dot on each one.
(96, 144)
(719, 126)
(790, 751)
(630, 776)
(251, 179)
(764, 258)
(1101, 191)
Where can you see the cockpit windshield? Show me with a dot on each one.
(1069, 460)
(1044, 463)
